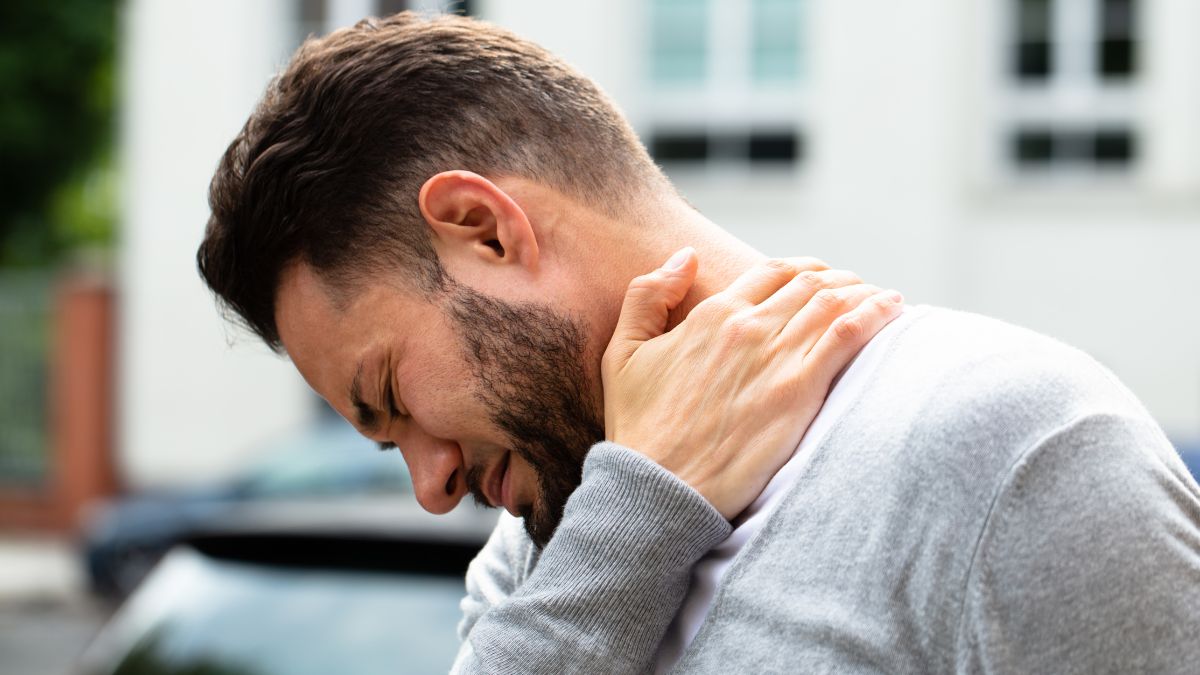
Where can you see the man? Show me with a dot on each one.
(438, 222)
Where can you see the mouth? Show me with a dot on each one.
(499, 485)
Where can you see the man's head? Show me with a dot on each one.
(401, 215)
(327, 169)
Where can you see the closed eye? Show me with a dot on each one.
(390, 401)
(384, 446)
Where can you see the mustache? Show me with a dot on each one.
(474, 480)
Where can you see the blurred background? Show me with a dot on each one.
(1034, 160)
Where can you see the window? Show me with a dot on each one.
(1044, 148)
(679, 41)
(775, 42)
(680, 146)
(1117, 48)
(725, 82)
(1072, 69)
(1033, 58)
(317, 17)
(761, 147)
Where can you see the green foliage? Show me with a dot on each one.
(57, 70)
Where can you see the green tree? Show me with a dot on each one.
(56, 127)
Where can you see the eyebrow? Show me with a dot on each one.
(368, 417)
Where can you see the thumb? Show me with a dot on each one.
(648, 301)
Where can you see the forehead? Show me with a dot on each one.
(327, 338)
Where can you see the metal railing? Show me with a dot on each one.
(25, 300)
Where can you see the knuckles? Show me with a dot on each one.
(811, 279)
(849, 328)
(829, 300)
(780, 266)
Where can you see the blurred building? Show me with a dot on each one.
(1034, 160)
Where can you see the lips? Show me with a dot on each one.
(499, 485)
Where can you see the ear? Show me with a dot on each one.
(471, 216)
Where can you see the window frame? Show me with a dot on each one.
(1072, 100)
(728, 105)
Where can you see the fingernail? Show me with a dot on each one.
(676, 261)
(895, 297)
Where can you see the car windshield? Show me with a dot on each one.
(331, 461)
(201, 615)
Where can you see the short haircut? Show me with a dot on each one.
(328, 168)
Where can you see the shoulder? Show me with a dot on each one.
(1093, 534)
(979, 378)
(982, 353)
(962, 402)
(1085, 525)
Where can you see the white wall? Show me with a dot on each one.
(191, 406)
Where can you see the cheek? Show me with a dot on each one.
(442, 403)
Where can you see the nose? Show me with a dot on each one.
(436, 467)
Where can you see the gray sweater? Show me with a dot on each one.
(993, 501)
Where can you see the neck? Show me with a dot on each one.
(606, 253)
(613, 253)
(722, 256)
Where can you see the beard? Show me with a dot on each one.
(529, 367)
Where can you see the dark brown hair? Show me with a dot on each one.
(328, 168)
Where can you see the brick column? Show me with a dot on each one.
(81, 396)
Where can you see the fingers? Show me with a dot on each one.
(647, 303)
(851, 331)
(809, 324)
(800, 290)
(762, 280)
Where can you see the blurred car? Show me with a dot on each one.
(323, 478)
(1191, 458)
(278, 598)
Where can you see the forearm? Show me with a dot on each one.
(611, 579)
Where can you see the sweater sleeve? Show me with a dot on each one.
(496, 572)
(1090, 559)
(610, 580)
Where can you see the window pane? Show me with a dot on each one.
(1117, 47)
(774, 147)
(776, 40)
(679, 147)
(1114, 147)
(1076, 147)
(1033, 147)
(1032, 48)
(679, 40)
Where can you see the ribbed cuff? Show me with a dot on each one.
(611, 578)
(627, 497)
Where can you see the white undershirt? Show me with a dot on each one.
(708, 572)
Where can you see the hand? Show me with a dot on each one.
(723, 399)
